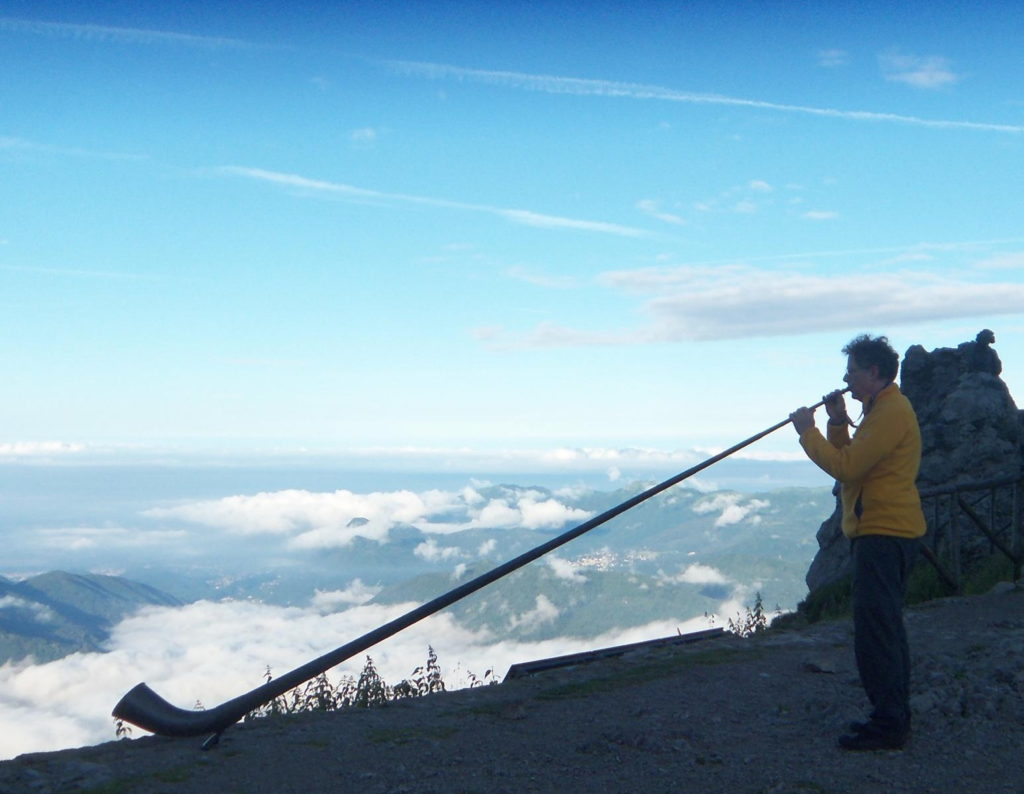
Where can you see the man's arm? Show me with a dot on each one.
(849, 462)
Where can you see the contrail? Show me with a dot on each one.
(520, 216)
(553, 84)
(106, 33)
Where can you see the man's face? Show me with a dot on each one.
(861, 381)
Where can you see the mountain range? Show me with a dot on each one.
(57, 613)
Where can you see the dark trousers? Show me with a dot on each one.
(881, 565)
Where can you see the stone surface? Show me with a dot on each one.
(970, 432)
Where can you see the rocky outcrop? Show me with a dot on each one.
(970, 426)
(971, 431)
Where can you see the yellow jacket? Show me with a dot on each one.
(877, 467)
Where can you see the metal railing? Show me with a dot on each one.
(991, 507)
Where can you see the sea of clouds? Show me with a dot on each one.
(210, 652)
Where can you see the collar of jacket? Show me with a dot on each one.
(884, 391)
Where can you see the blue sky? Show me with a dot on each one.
(465, 229)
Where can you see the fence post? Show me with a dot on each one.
(954, 531)
(992, 518)
(1015, 531)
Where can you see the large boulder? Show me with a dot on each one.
(971, 431)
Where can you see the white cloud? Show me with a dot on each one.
(610, 89)
(78, 538)
(430, 551)
(733, 510)
(40, 612)
(32, 449)
(339, 190)
(697, 573)
(717, 502)
(706, 302)
(311, 520)
(364, 136)
(496, 513)
(357, 592)
(613, 462)
(653, 208)
(755, 454)
(530, 218)
(760, 186)
(487, 548)
(832, 58)
(821, 215)
(734, 514)
(565, 569)
(544, 612)
(929, 72)
(703, 485)
(538, 514)
(735, 302)
(1008, 261)
(320, 518)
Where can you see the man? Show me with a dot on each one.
(877, 469)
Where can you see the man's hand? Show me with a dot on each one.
(802, 419)
(836, 407)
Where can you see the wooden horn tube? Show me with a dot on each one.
(143, 707)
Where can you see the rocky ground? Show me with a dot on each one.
(724, 715)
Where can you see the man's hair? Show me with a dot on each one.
(876, 351)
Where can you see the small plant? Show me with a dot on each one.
(487, 679)
(368, 690)
(121, 729)
(753, 622)
(318, 695)
(371, 689)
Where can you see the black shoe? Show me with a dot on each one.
(859, 727)
(868, 740)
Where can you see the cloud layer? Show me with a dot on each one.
(324, 520)
(735, 301)
(210, 652)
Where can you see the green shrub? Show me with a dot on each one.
(925, 584)
(987, 572)
(828, 602)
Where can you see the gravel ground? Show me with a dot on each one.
(724, 715)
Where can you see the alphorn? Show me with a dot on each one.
(143, 707)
